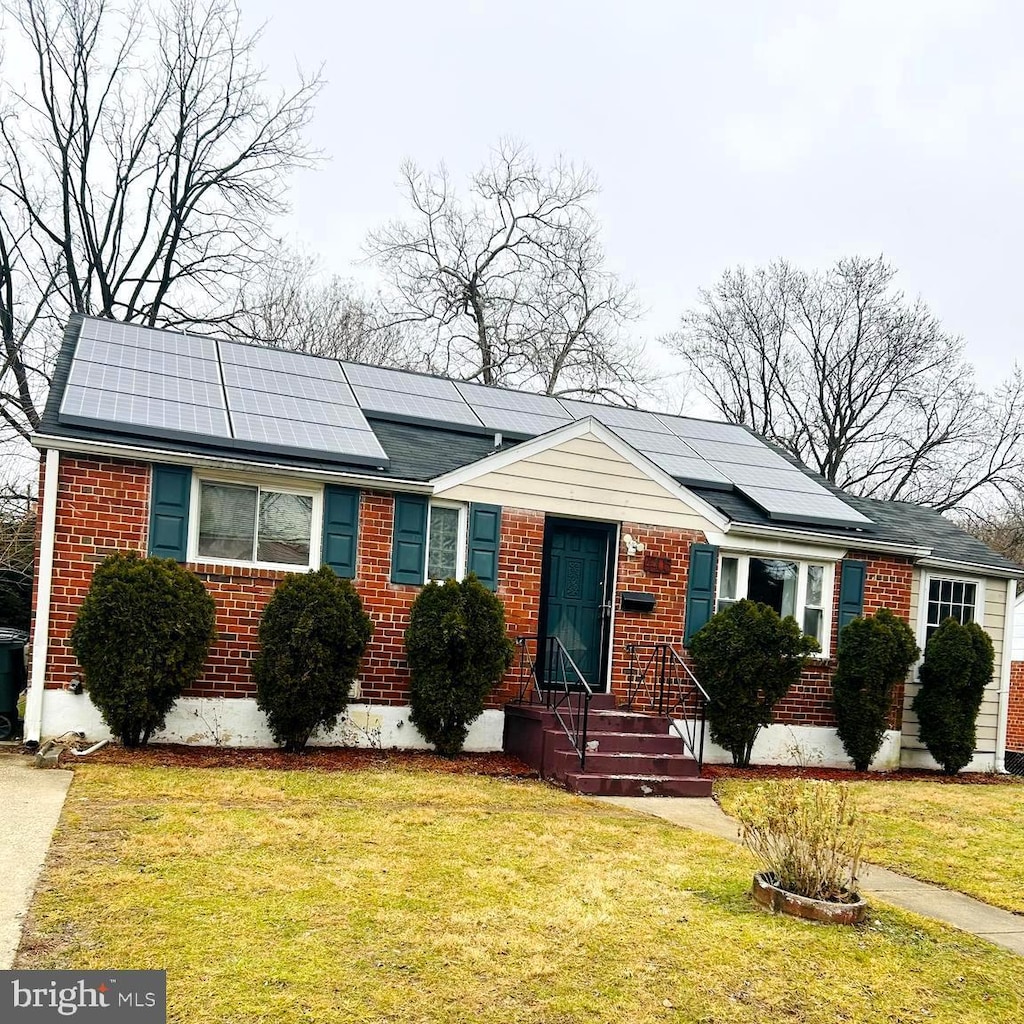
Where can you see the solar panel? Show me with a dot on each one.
(305, 437)
(152, 385)
(739, 454)
(690, 470)
(92, 406)
(787, 479)
(647, 441)
(401, 381)
(823, 508)
(169, 363)
(476, 395)
(285, 407)
(615, 416)
(149, 338)
(521, 424)
(416, 407)
(281, 361)
(709, 431)
(249, 378)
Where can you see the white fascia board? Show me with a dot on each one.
(741, 530)
(143, 454)
(1003, 708)
(588, 426)
(971, 568)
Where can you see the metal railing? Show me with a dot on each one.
(551, 678)
(659, 681)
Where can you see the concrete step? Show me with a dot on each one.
(676, 765)
(625, 721)
(593, 784)
(634, 742)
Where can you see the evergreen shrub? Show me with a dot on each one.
(458, 652)
(958, 665)
(873, 655)
(141, 636)
(312, 635)
(747, 658)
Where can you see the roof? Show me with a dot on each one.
(419, 448)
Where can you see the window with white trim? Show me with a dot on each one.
(254, 524)
(950, 599)
(446, 541)
(799, 589)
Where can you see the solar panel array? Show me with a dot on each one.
(147, 381)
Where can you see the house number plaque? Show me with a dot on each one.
(657, 565)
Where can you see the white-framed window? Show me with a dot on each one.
(949, 597)
(255, 523)
(798, 588)
(446, 541)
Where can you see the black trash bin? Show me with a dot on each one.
(12, 678)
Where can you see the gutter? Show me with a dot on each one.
(974, 568)
(51, 442)
(1003, 711)
(829, 540)
(44, 585)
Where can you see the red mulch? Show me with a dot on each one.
(764, 772)
(318, 759)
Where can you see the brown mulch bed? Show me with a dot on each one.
(318, 759)
(765, 772)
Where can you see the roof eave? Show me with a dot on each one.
(973, 568)
(859, 542)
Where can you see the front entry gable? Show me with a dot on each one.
(582, 470)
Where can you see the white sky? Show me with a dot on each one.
(721, 133)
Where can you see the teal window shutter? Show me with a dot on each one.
(851, 590)
(409, 545)
(168, 511)
(341, 529)
(700, 587)
(484, 533)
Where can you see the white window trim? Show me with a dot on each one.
(267, 484)
(462, 544)
(828, 587)
(922, 602)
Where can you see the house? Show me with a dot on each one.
(604, 529)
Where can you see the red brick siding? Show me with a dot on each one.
(887, 585)
(1015, 718)
(103, 506)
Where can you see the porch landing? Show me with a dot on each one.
(627, 753)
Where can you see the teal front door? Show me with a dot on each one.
(577, 593)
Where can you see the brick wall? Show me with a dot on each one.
(91, 489)
(1015, 719)
(888, 585)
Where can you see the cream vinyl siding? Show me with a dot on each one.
(584, 478)
(992, 620)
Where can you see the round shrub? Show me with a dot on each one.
(312, 636)
(958, 664)
(747, 658)
(141, 636)
(873, 655)
(458, 652)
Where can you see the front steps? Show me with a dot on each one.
(628, 754)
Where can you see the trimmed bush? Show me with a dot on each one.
(141, 636)
(958, 665)
(874, 654)
(458, 652)
(747, 658)
(312, 635)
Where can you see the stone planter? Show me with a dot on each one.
(781, 902)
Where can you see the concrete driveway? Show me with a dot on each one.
(31, 799)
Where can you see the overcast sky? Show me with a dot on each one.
(721, 133)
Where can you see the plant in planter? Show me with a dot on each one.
(808, 838)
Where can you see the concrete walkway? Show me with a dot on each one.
(31, 799)
(997, 926)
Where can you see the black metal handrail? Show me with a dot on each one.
(556, 682)
(664, 684)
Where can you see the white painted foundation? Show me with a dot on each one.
(238, 722)
(808, 747)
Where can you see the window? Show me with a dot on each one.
(957, 599)
(798, 589)
(446, 548)
(243, 523)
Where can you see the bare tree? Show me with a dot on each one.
(509, 285)
(857, 381)
(293, 304)
(137, 173)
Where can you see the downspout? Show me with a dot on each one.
(1003, 713)
(44, 585)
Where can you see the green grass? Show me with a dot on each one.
(401, 896)
(964, 837)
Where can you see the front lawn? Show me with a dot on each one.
(964, 837)
(405, 896)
